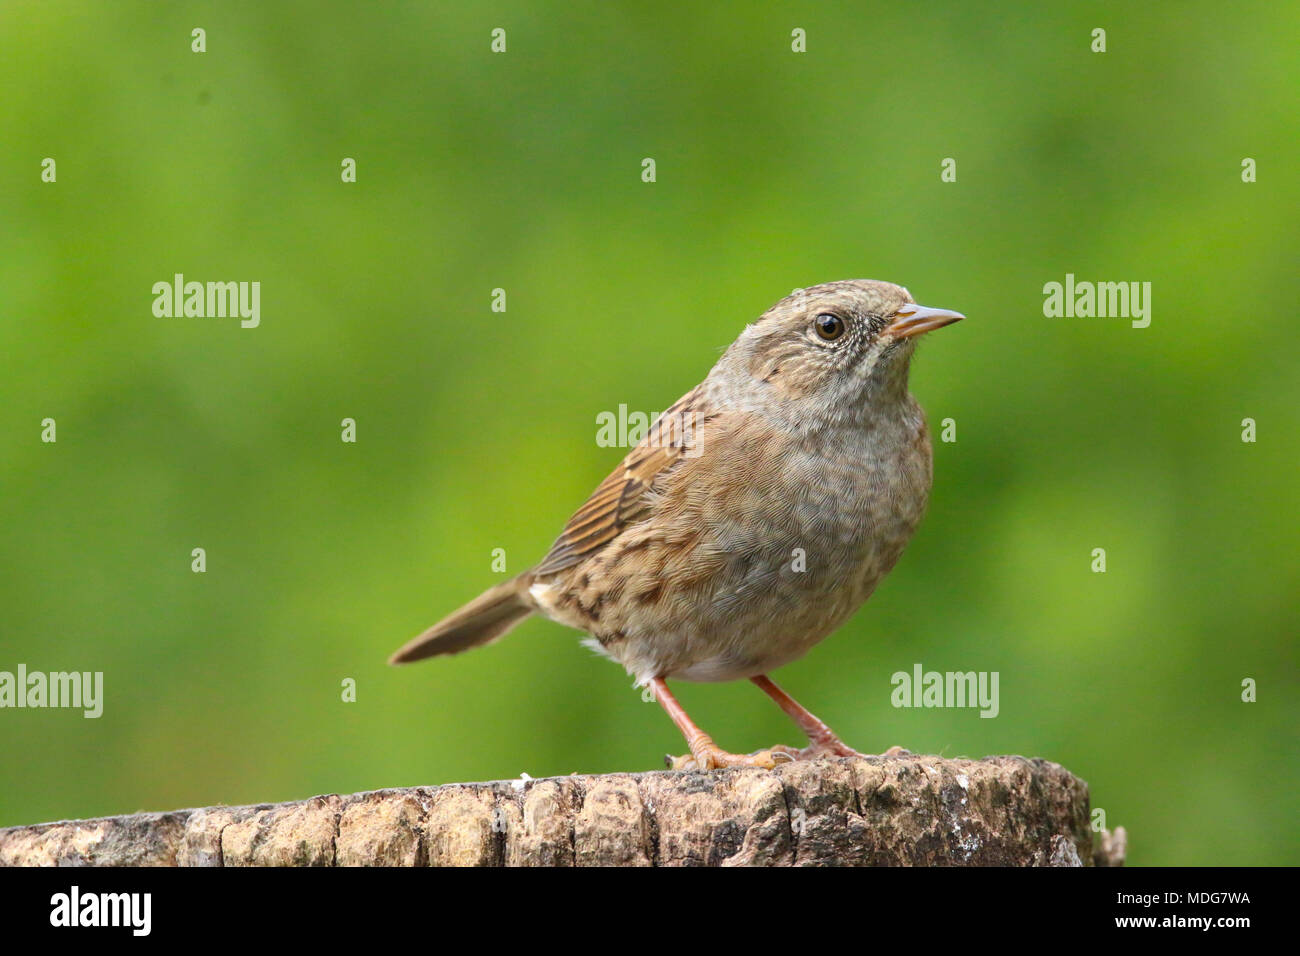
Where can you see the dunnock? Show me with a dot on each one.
(756, 515)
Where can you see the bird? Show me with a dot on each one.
(754, 517)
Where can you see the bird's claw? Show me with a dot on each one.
(713, 758)
(840, 749)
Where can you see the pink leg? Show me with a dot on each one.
(705, 754)
(821, 738)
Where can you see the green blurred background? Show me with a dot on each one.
(477, 430)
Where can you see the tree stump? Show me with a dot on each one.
(878, 811)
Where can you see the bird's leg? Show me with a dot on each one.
(705, 754)
(822, 741)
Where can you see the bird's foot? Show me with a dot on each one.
(837, 748)
(706, 755)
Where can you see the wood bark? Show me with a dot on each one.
(893, 811)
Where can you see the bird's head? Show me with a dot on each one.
(836, 346)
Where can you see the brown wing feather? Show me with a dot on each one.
(621, 499)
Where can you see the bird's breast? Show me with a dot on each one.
(754, 552)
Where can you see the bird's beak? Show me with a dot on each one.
(913, 319)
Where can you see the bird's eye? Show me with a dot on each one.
(829, 326)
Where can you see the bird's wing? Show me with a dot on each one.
(622, 499)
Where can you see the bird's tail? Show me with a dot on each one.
(481, 621)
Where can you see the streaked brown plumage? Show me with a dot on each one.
(757, 514)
